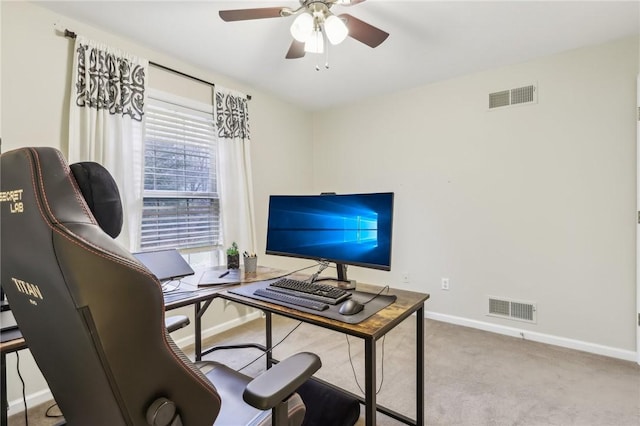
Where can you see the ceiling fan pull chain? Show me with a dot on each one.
(326, 63)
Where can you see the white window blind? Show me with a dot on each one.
(181, 208)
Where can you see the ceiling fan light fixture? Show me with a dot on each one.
(315, 43)
(302, 27)
(336, 29)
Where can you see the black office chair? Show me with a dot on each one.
(93, 317)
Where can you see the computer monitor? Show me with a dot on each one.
(347, 229)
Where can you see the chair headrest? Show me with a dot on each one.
(101, 194)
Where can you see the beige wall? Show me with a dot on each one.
(36, 63)
(533, 203)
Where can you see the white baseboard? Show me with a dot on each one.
(564, 342)
(44, 395)
(33, 399)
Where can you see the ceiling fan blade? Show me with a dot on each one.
(246, 14)
(349, 3)
(363, 32)
(296, 50)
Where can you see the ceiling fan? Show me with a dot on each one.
(315, 23)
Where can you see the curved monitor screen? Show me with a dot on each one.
(350, 229)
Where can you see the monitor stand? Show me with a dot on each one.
(343, 281)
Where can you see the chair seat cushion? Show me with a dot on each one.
(230, 384)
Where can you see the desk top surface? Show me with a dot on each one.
(13, 345)
(377, 325)
(189, 292)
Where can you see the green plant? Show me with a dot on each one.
(233, 250)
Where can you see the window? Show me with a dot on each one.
(181, 207)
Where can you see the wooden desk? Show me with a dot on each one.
(370, 330)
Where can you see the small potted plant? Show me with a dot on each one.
(233, 256)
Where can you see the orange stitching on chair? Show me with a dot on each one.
(35, 190)
(117, 257)
(208, 386)
(35, 186)
(74, 185)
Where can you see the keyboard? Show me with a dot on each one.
(322, 293)
(292, 300)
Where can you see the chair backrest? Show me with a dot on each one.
(92, 316)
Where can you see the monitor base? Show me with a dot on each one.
(346, 285)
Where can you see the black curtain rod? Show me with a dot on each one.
(71, 34)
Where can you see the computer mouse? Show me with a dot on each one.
(350, 307)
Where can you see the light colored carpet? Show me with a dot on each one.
(472, 377)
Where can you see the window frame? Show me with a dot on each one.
(207, 111)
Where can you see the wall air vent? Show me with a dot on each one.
(518, 96)
(499, 99)
(511, 309)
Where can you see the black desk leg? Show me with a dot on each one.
(269, 339)
(420, 366)
(198, 332)
(5, 401)
(370, 407)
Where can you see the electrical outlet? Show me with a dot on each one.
(445, 283)
(405, 277)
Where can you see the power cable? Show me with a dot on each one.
(24, 392)
(270, 350)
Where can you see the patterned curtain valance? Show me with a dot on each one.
(108, 80)
(232, 115)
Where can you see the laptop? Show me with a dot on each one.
(166, 265)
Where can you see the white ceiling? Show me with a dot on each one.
(429, 40)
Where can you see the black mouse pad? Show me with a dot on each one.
(372, 303)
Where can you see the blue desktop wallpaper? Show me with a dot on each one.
(353, 229)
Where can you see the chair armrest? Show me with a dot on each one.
(280, 381)
(176, 322)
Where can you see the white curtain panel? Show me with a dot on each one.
(105, 122)
(234, 165)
